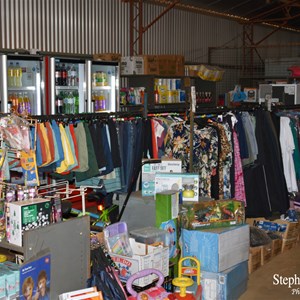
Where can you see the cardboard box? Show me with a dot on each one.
(254, 261)
(107, 56)
(144, 257)
(166, 206)
(149, 171)
(217, 249)
(187, 183)
(131, 65)
(26, 215)
(229, 284)
(212, 214)
(171, 65)
(150, 65)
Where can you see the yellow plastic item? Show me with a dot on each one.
(3, 258)
(189, 271)
(182, 283)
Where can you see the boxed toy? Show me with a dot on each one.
(186, 183)
(150, 169)
(26, 215)
(217, 249)
(229, 284)
(144, 257)
(211, 214)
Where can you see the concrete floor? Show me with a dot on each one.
(260, 283)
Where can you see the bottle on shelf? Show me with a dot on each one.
(73, 74)
(27, 104)
(76, 102)
(64, 75)
(21, 106)
(10, 75)
(9, 103)
(57, 75)
(18, 75)
(156, 96)
(59, 104)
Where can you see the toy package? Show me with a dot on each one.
(211, 214)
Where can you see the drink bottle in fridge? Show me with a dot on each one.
(67, 77)
(22, 77)
(102, 86)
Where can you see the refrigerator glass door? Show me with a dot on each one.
(24, 84)
(104, 86)
(68, 89)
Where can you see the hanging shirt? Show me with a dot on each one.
(287, 148)
(205, 151)
(239, 193)
(68, 156)
(82, 148)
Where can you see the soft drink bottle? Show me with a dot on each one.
(21, 106)
(73, 74)
(57, 75)
(76, 100)
(18, 75)
(64, 75)
(10, 75)
(27, 105)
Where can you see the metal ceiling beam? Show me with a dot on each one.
(136, 23)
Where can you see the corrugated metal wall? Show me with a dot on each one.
(93, 26)
(99, 26)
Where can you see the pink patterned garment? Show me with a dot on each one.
(238, 172)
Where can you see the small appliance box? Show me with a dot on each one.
(149, 171)
(144, 257)
(26, 215)
(217, 249)
(187, 183)
(227, 285)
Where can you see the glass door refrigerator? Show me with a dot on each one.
(22, 83)
(102, 86)
(67, 82)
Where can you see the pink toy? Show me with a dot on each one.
(154, 293)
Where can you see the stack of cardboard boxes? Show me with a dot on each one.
(288, 234)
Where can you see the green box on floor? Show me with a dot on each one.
(167, 209)
(166, 206)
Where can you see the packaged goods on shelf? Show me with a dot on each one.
(131, 65)
(211, 73)
(217, 249)
(212, 214)
(150, 64)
